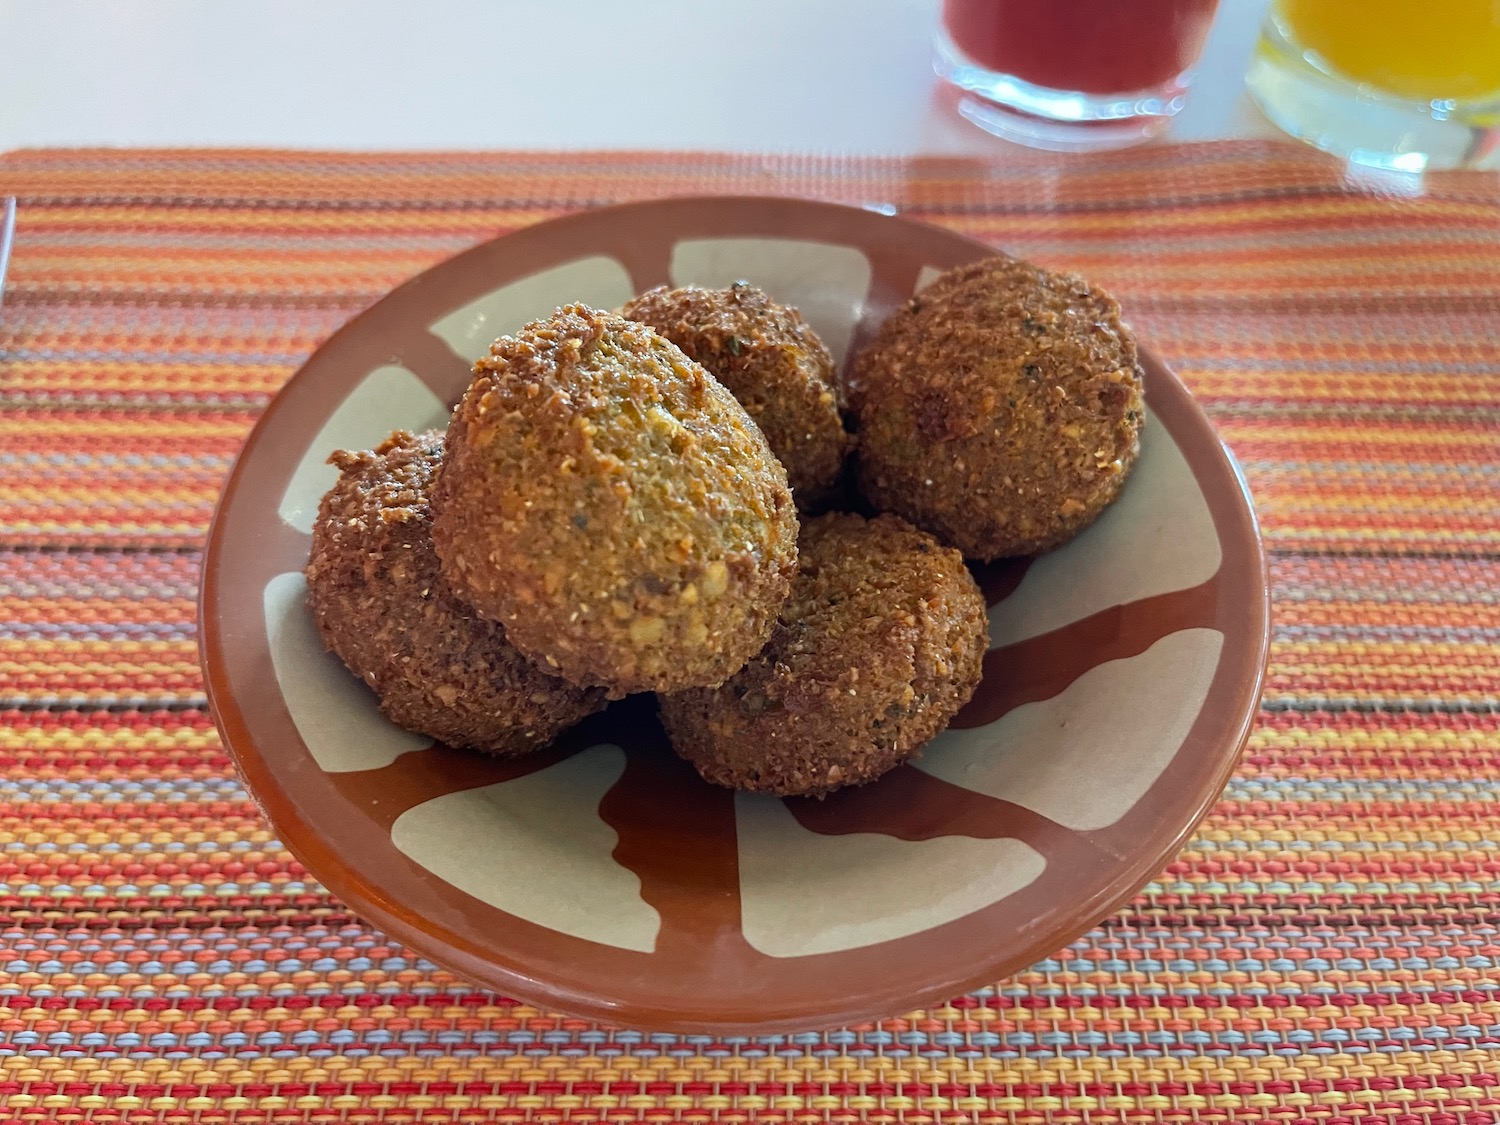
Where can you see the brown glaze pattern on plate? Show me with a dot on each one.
(601, 877)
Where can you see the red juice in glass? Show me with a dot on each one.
(1071, 73)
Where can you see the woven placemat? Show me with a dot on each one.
(1324, 950)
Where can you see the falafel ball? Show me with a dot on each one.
(999, 409)
(609, 502)
(773, 362)
(880, 643)
(380, 603)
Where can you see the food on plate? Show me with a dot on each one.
(381, 604)
(773, 362)
(999, 409)
(612, 505)
(878, 646)
(604, 516)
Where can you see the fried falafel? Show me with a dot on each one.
(773, 362)
(999, 409)
(609, 502)
(880, 643)
(382, 606)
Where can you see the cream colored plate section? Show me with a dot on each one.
(803, 893)
(599, 281)
(1084, 757)
(335, 713)
(389, 398)
(536, 848)
(928, 275)
(825, 282)
(1157, 537)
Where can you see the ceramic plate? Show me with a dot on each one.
(601, 877)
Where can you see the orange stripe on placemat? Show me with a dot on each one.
(1323, 950)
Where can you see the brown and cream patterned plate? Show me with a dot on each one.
(601, 877)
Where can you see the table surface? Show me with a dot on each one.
(1325, 945)
(846, 76)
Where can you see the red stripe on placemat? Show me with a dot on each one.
(1324, 950)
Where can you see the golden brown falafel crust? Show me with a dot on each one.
(379, 602)
(610, 503)
(1000, 408)
(773, 362)
(880, 643)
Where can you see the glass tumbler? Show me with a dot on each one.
(1071, 74)
(1403, 85)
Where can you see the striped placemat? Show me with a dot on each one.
(1325, 950)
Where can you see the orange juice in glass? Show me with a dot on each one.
(1399, 84)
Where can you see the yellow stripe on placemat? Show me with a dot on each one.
(1325, 949)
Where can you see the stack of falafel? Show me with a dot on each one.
(615, 509)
